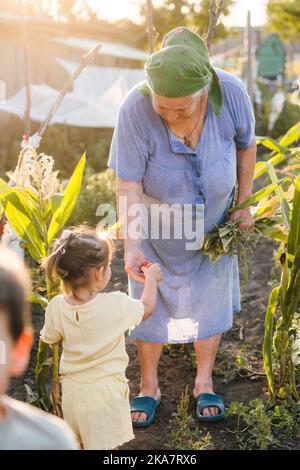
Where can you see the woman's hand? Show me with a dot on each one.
(247, 220)
(134, 258)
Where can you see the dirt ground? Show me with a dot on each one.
(176, 369)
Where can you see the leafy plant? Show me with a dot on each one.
(98, 188)
(229, 366)
(259, 426)
(288, 293)
(276, 216)
(257, 422)
(271, 212)
(38, 213)
(184, 434)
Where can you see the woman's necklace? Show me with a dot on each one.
(186, 138)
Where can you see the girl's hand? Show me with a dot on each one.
(153, 271)
(134, 258)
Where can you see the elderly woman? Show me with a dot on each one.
(184, 136)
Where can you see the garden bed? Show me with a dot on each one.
(240, 349)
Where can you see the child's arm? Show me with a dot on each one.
(50, 333)
(153, 275)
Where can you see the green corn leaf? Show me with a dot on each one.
(262, 193)
(285, 208)
(276, 233)
(270, 206)
(293, 300)
(285, 277)
(271, 144)
(267, 346)
(270, 221)
(28, 201)
(293, 291)
(32, 194)
(64, 210)
(261, 169)
(292, 135)
(31, 209)
(23, 226)
(53, 204)
(296, 152)
(5, 189)
(56, 201)
(294, 235)
(283, 153)
(38, 299)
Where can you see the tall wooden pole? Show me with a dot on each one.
(27, 126)
(150, 26)
(84, 62)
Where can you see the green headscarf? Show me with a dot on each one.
(182, 68)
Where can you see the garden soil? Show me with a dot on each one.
(176, 368)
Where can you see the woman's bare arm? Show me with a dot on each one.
(246, 159)
(128, 193)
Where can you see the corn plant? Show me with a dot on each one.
(279, 349)
(288, 293)
(281, 152)
(270, 205)
(276, 212)
(38, 213)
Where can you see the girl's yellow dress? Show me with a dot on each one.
(95, 392)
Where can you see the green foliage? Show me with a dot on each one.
(268, 339)
(289, 293)
(200, 18)
(288, 116)
(229, 239)
(185, 435)
(173, 13)
(38, 214)
(98, 189)
(258, 431)
(231, 365)
(259, 427)
(62, 212)
(283, 17)
(67, 143)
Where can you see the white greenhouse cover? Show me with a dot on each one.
(113, 49)
(93, 101)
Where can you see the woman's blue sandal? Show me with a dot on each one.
(209, 400)
(145, 405)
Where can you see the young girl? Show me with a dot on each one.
(91, 325)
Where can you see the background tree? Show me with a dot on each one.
(200, 18)
(284, 17)
(174, 13)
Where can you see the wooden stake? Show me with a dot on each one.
(27, 127)
(84, 61)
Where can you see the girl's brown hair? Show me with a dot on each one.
(74, 254)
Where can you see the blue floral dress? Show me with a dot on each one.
(196, 298)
